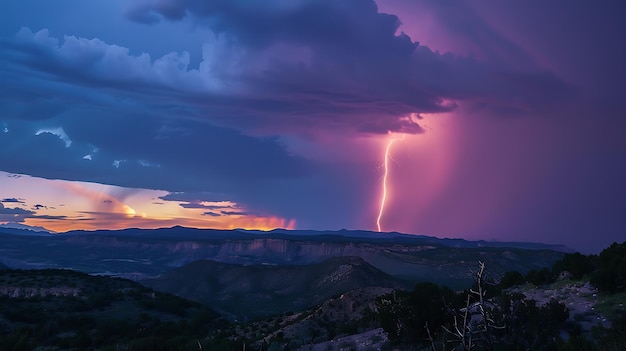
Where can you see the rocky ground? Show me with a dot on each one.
(369, 340)
(579, 296)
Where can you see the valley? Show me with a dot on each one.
(181, 288)
(144, 254)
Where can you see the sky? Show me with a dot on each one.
(506, 118)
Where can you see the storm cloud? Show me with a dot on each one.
(283, 108)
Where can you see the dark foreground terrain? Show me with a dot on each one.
(68, 310)
(240, 290)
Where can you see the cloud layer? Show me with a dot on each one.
(83, 109)
(282, 109)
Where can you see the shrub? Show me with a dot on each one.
(511, 278)
(577, 264)
(403, 315)
(611, 274)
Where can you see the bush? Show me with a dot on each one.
(403, 315)
(611, 274)
(511, 278)
(577, 264)
(541, 277)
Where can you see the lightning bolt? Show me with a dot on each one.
(383, 198)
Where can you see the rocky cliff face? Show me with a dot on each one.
(144, 253)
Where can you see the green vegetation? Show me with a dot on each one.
(490, 316)
(439, 318)
(611, 273)
(404, 314)
(611, 305)
(63, 309)
(606, 271)
(341, 316)
(257, 291)
(576, 264)
(67, 310)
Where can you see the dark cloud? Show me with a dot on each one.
(216, 208)
(352, 25)
(195, 197)
(16, 215)
(235, 213)
(206, 128)
(201, 205)
(309, 67)
(358, 70)
(12, 200)
(15, 211)
(53, 218)
(147, 152)
(217, 205)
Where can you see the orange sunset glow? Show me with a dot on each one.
(63, 206)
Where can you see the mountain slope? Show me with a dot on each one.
(262, 290)
(52, 309)
(354, 312)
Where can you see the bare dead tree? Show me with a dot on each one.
(463, 333)
(469, 332)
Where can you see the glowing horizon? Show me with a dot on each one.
(60, 206)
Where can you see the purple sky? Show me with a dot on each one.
(262, 114)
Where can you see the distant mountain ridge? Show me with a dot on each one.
(143, 253)
(452, 242)
(22, 229)
(188, 232)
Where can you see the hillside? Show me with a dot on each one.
(63, 309)
(347, 316)
(338, 304)
(261, 290)
(352, 320)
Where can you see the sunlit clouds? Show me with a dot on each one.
(61, 206)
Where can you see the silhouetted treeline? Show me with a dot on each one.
(606, 271)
